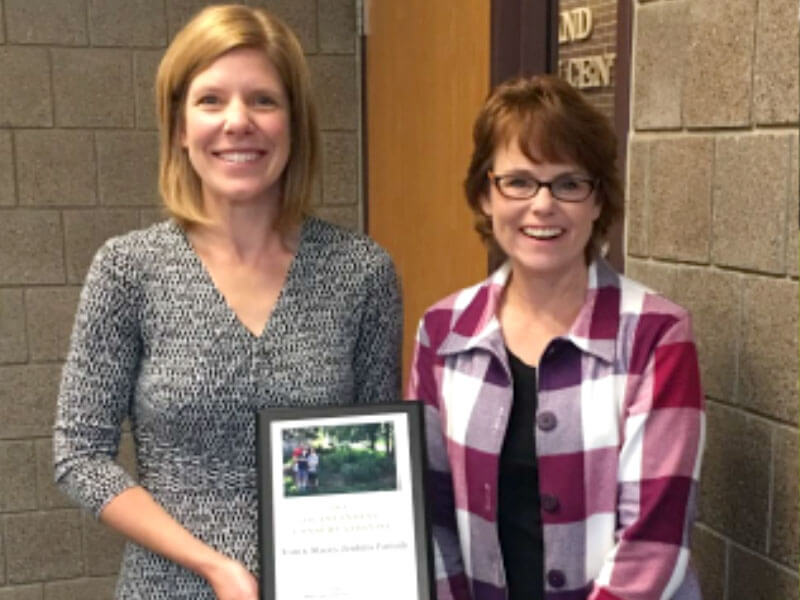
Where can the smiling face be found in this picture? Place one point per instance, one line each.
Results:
(236, 128)
(541, 236)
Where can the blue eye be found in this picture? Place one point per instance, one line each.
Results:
(208, 99)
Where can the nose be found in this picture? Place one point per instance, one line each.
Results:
(543, 200)
(237, 117)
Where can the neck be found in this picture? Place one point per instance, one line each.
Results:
(243, 231)
(554, 298)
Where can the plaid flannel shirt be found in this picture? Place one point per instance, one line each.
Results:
(620, 428)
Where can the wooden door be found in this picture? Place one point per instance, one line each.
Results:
(427, 74)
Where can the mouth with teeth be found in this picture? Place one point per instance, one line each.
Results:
(542, 233)
(239, 156)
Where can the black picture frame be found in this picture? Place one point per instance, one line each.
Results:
(314, 512)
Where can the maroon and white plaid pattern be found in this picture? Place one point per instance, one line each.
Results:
(620, 428)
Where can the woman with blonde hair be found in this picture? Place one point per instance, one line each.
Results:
(564, 413)
(240, 301)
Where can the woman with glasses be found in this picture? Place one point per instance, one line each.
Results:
(564, 411)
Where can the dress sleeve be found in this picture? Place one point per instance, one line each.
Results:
(97, 383)
(376, 360)
(423, 385)
(659, 469)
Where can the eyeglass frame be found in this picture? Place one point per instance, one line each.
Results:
(496, 179)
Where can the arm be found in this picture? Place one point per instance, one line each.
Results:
(96, 389)
(376, 360)
(137, 516)
(659, 469)
(451, 579)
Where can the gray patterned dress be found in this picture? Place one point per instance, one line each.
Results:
(154, 341)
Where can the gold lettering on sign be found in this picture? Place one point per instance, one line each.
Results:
(588, 71)
(574, 25)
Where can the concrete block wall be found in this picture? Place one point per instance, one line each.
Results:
(78, 160)
(712, 221)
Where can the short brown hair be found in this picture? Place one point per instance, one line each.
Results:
(547, 114)
(211, 33)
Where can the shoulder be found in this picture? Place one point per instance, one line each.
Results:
(139, 247)
(465, 311)
(656, 316)
(345, 251)
(339, 240)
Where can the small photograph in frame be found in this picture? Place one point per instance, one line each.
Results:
(339, 459)
(342, 510)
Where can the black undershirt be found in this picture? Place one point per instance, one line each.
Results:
(518, 518)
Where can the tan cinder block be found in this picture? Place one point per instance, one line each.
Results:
(751, 186)
(127, 165)
(339, 168)
(7, 187)
(22, 592)
(300, 15)
(655, 275)
(776, 98)
(31, 247)
(659, 59)
(149, 216)
(28, 400)
(180, 11)
(25, 93)
(103, 547)
(126, 456)
(17, 466)
(714, 299)
(679, 198)
(717, 90)
(93, 87)
(56, 167)
(44, 545)
(768, 362)
(784, 535)
(49, 495)
(735, 466)
(2, 565)
(60, 22)
(337, 26)
(127, 23)
(344, 216)
(101, 588)
(792, 216)
(86, 230)
(50, 312)
(145, 65)
(751, 577)
(636, 205)
(708, 559)
(333, 78)
(13, 343)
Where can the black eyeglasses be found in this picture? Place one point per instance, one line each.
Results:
(521, 186)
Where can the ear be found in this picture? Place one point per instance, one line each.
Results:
(597, 208)
(485, 204)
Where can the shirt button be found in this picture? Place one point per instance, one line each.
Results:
(546, 420)
(550, 503)
(556, 578)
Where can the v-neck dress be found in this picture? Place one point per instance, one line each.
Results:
(154, 341)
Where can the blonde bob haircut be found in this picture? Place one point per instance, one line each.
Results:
(211, 33)
(550, 121)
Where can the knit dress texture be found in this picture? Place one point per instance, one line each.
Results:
(155, 342)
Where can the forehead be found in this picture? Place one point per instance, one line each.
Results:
(513, 154)
(239, 66)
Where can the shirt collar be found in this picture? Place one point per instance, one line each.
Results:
(594, 330)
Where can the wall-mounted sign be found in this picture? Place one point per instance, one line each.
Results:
(575, 25)
(592, 71)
